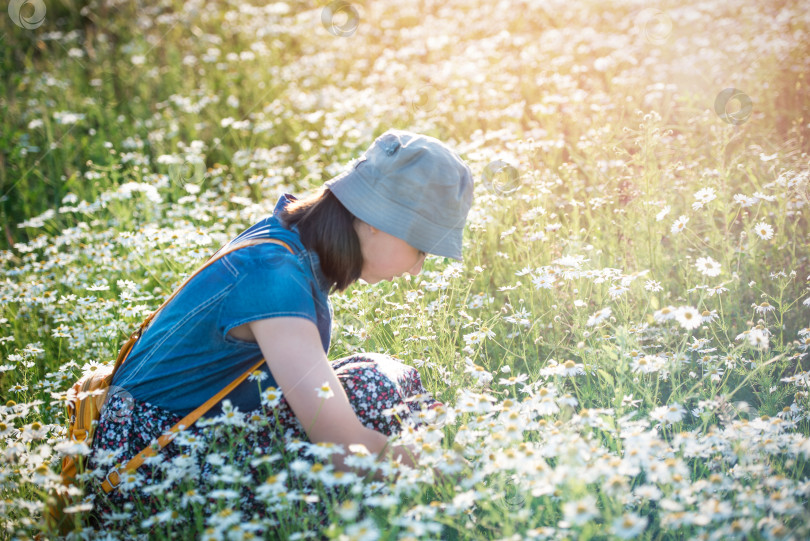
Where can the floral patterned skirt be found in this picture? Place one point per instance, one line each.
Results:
(227, 461)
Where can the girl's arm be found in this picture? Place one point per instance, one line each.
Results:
(292, 349)
(405, 454)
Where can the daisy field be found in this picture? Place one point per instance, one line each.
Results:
(623, 352)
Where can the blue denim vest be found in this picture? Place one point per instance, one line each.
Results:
(186, 356)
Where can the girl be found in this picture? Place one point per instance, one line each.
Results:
(408, 195)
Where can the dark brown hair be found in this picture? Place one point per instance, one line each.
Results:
(327, 228)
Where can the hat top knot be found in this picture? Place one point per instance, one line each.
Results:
(390, 143)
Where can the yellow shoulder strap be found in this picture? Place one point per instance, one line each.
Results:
(113, 478)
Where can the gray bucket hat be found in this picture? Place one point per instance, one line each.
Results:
(413, 187)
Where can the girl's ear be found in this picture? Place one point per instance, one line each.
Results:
(360, 224)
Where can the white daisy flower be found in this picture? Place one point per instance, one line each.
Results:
(647, 364)
(546, 404)
(271, 397)
(544, 281)
(708, 266)
(763, 308)
(616, 290)
(362, 531)
(763, 231)
(679, 225)
(712, 291)
(760, 195)
(581, 511)
(653, 285)
(629, 526)
(745, 201)
(258, 375)
(758, 338)
(665, 314)
(709, 316)
(599, 316)
(348, 510)
(648, 492)
(703, 197)
(672, 413)
(688, 317)
(570, 368)
(325, 390)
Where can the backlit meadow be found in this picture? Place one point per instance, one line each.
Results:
(623, 352)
